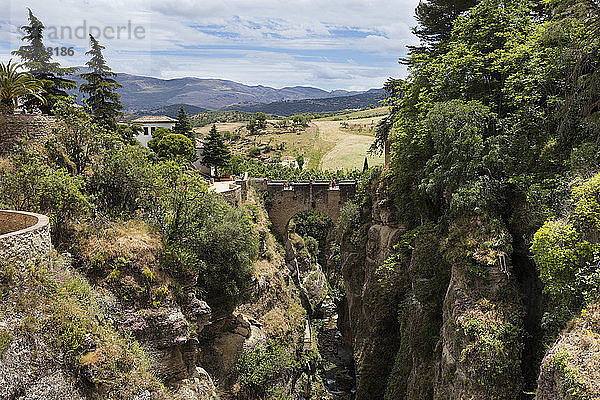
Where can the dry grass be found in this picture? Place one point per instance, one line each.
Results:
(5, 164)
(132, 240)
(125, 256)
(351, 145)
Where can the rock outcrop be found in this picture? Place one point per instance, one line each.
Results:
(370, 323)
(571, 368)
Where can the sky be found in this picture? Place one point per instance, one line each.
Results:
(330, 44)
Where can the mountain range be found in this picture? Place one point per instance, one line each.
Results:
(317, 105)
(141, 94)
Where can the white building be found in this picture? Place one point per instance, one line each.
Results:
(149, 124)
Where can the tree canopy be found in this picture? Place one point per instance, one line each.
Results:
(215, 152)
(38, 61)
(183, 126)
(101, 87)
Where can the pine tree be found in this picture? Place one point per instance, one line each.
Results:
(101, 86)
(435, 18)
(38, 60)
(365, 165)
(215, 152)
(183, 125)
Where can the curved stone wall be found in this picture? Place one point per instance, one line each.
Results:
(24, 237)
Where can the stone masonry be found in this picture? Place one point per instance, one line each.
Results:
(32, 129)
(24, 237)
(286, 199)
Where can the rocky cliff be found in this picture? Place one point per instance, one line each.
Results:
(432, 312)
(571, 368)
(141, 332)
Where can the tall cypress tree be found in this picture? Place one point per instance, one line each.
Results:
(215, 152)
(183, 125)
(38, 60)
(101, 86)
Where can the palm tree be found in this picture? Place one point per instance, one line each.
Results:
(15, 84)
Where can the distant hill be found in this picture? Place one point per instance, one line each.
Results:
(173, 110)
(316, 105)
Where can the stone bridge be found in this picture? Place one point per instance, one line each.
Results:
(286, 199)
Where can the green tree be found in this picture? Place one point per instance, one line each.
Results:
(500, 81)
(300, 120)
(127, 132)
(101, 87)
(300, 161)
(436, 18)
(157, 136)
(38, 60)
(261, 121)
(78, 140)
(205, 237)
(252, 126)
(123, 180)
(183, 126)
(215, 152)
(16, 85)
(393, 88)
(175, 147)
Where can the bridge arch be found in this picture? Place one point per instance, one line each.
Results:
(286, 199)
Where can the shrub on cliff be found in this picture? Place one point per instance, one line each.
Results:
(567, 251)
(174, 147)
(124, 180)
(263, 371)
(206, 237)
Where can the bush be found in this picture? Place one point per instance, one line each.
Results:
(349, 220)
(123, 179)
(204, 236)
(174, 147)
(263, 370)
(567, 252)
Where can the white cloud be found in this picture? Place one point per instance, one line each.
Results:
(305, 42)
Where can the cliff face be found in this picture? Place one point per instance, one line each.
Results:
(370, 323)
(571, 368)
(141, 331)
(432, 313)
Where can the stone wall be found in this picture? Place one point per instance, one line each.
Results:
(24, 237)
(233, 195)
(31, 129)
